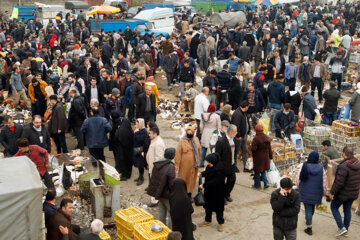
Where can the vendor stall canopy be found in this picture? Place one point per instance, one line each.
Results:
(267, 3)
(20, 199)
(104, 10)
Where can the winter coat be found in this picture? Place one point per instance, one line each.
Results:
(170, 63)
(34, 137)
(208, 124)
(137, 90)
(283, 121)
(162, 177)
(301, 72)
(276, 92)
(59, 218)
(141, 105)
(214, 187)
(185, 162)
(107, 86)
(261, 152)
(166, 46)
(309, 107)
(207, 82)
(259, 102)
(331, 97)
(304, 47)
(186, 75)
(140, 138)
(322, 71)
(257, 52)
(78, 112)
(95, 129)
(31, 90)
(8, 138)
(39, 156)
(224, 79)
(294, 98)
(113, 105)
(88, 94)
(346, 185)
(244, 53)
(355, 106)
(240, 120)
(155, 151)
(332, 153)
(58, 119)
(286, 209)
(282, 63)
(312, 190)
(128, 99)
(224, 150)
(203, 51)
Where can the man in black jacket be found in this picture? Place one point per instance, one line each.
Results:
(225, 147)
(9, 134)
(108, 84)
(145, 107)
(37, 134)
(77, 116)
(331, 97)
(186, 76)
(285, 203)
(212, 83)
(93, 91)
(224, 78)
(162, 177)
(241, 121)
(345, 189)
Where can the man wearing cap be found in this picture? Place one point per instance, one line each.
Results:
(317, 76)
(276, 93)
(113, 103)
(337, 67)
(170, 64)
(203, 53)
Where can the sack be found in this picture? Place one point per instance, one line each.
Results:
(273, 174)
(138, 150)
(265, 122)
(249, 164)
(199, 199)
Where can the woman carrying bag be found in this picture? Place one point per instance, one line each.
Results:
(311, 182)
(140, 137)
(214, 187)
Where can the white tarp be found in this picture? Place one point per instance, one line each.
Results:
(230, 18)
(288, 1)
(20, 199)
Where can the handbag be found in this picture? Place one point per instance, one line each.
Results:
(199, 199)
(138, 150)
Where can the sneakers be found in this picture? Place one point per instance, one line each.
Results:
(357, 211)
(308, 230)
(221, 227)
(229, 199)
(341, 232)
(175, 85)
(347, 234)
(257, 188)
(204, 224)
(266, 186)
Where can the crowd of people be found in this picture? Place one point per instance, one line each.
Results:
(101, 87)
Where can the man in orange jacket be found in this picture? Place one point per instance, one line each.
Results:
(37, 95)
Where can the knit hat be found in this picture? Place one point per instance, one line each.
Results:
(169, 153)
(115, 91)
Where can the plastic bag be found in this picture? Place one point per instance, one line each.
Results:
(65, 177)
(265, 122)
(273, 174)
(249, 164)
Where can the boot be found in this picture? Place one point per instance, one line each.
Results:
(221, 227)
(140, 181)
(137, 179)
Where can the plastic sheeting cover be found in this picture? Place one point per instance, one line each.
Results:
(231, 18)
(20, 199)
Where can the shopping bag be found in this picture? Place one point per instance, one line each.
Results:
(199, 199)
(273, 174)
(249, 164)
(65, 177)
(265, 122)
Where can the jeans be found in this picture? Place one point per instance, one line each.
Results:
(293, 33)
(203, 62)
(219, 216)
(317, 83)
(59, 139)
(279, 234)
(203, 155)
(258, 176)
(170, 78)
(329, 117)
(309, 212)
(98, 154)
(79, 137)
(241, 144)
(164, 210)
(148, 117)
(337, 77)
(182, 89)
(335, 205)
(290, 82)
(275, 106)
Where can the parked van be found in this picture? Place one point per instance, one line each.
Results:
(161, 19)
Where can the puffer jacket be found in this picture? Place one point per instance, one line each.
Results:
(311, 191)
(346, 185)
(286, 209)
(162, 176)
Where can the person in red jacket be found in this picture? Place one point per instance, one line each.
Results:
(39, 156)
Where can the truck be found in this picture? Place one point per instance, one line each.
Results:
(161, 19)
(24, 11)
(123, 5)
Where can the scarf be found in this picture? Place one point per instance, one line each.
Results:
(195, 150)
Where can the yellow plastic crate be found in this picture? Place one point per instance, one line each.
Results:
(340, 127)
(104, 235)
(143, 231)
(126, 218)
(123, 236)
(121, 229)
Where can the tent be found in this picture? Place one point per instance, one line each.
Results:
(20, 199)
(267, 3)
(230, 18)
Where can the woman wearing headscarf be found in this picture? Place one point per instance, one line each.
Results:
(311, 182)
(214, 193)
(194, 43)
(113, 142)
(140, 137)
(262, 153)
(187, 158)
(181, 209)
(124, 149)
(225, 113)
(210, 122)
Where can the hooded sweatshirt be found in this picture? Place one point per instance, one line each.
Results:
(276, 92)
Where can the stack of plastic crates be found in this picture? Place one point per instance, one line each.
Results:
(344, 135)
(142, 231)
(314, 136)
(284, 156)
(125, 219)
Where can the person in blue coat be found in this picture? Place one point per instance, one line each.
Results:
(129, 103)
(95, 129)
(311, 182)
(309, 104)
(291, 72)
(276, 93)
